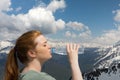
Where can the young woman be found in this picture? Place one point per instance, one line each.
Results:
(32, 50)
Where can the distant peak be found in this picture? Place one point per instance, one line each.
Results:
(117, 44)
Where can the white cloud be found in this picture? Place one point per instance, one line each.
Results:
(118, 4)
(18, 9)
(40, 3)
(60, 24)
(42, 18)
(68, 34)
(76, 25)
(108, 37)
(85, 35)
(117, 15)
(56, 4)
(74, 35)
(77, 30)
(37, 18)
(5, 5)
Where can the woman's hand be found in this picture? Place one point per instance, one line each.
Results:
(72, 51)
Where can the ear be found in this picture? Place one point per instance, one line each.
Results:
(31, 54)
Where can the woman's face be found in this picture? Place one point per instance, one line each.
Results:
(42, 49)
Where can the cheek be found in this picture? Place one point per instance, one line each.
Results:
(43, 54)
(40, 50)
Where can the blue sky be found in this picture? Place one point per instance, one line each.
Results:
(90, 22)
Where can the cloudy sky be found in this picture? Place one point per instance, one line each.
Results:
(90, 22)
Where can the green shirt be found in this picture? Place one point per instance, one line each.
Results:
(33, 75)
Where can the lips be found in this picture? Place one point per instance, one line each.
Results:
(50, 51)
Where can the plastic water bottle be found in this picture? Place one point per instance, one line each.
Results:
(53, 50)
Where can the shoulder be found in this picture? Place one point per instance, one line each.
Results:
(33, 75)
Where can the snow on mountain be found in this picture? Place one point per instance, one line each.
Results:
(117, 44)
(108, 56)
(59, 47)
(112, 76)
(5, 46)
(110, 73)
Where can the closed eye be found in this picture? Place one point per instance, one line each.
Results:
(44, 45)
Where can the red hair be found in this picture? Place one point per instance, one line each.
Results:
(24, 43)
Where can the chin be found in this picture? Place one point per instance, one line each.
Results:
(50, 56)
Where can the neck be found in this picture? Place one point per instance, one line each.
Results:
(33, 65)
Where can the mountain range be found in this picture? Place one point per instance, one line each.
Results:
(91, 60)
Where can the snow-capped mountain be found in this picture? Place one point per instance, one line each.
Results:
(108, 56)
(111, 73)
(107, 66)
(102, 58)
(57, 47)
(5, 46)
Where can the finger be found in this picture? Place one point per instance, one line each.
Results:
(77, 47)
(67, 47)
(74, 46)
(70, 46)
